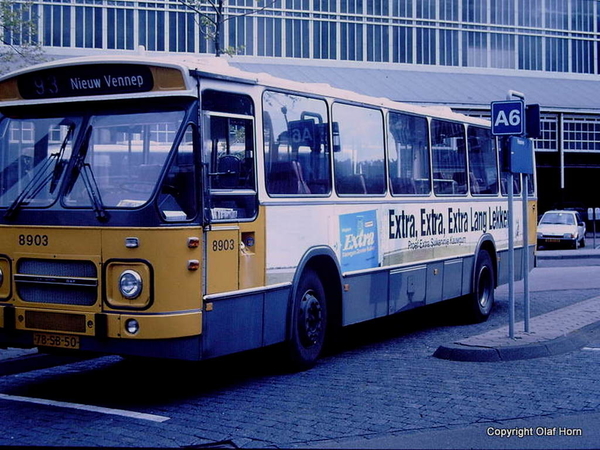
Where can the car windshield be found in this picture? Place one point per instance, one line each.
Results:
(557, 218)
(119, 159)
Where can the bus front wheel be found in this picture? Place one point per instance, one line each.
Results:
(309, 322)
(481, 300)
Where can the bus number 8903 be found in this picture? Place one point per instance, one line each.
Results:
(220, 245)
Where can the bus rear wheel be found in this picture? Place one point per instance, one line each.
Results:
(481, 300)
(309, 322)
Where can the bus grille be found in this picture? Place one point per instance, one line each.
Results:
(62, 282)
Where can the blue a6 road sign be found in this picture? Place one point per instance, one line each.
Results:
(508, 118)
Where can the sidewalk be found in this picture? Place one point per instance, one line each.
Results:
(559, 331)
(556, 332)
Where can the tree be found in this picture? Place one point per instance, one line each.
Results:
(20, 45)
(212, 15)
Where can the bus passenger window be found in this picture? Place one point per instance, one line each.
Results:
(449, 157)
(359, 163)
(177, 199)
(483, 166)
(296, 145)
(409, 154)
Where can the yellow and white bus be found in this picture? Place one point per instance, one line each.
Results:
(182, 208)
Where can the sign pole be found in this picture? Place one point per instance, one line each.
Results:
(594, 222)
(509, 119)
(511, 226)
(511, 258)
(526, 307)
(592, 214)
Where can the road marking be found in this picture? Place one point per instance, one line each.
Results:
(592, 349)
(98, 409)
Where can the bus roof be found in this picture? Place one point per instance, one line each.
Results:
(172, 75)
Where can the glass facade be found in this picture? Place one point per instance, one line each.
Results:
(535, 35)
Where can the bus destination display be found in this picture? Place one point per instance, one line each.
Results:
(78, 81)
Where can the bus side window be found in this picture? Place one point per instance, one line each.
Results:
(296, 145)
(449, 157)
(177, 199)
(359, 164)
(408, 154)
(483, 166)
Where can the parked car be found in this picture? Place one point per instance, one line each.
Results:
(574, 206)
(560, 227)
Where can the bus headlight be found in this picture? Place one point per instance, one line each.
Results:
(130, 284)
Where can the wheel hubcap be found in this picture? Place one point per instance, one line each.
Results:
(311, 319)
(484, 287)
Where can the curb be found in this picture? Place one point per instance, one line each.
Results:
(567, 256)
(563, 344)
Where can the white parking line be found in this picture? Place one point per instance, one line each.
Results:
(98, 409)
(592, 349)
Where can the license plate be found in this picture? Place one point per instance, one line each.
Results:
(55, 340)
(552, 240)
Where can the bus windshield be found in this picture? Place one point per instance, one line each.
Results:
(33, 153)
(118, 159)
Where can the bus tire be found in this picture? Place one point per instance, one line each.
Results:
(481, 300)
(308, 322)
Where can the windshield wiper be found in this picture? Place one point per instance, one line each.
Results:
(91, 187)
(43, 176)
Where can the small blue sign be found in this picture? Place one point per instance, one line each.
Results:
(521, 155)
(508, 118)
(359, 241)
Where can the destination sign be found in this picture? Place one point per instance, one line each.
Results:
(78, 81)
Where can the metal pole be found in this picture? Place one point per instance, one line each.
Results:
(594, 225)
(526, 308)
(511, 258)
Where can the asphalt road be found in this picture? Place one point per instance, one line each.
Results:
(382, 389)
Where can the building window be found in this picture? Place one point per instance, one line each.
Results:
(120, 28)
(269, 31)
(57, 25)
(557, 55)
(89, 32)
(502, 51)
(581, 133)
(402, 44)
(182, 32)
(548, 141)
(152, 29)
